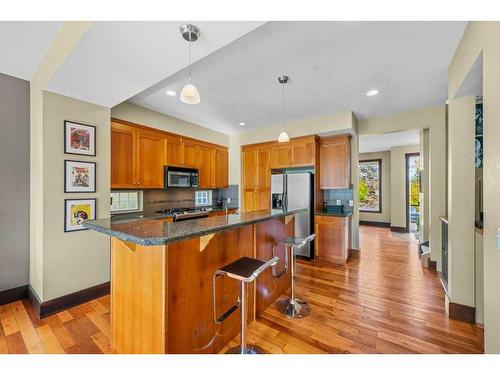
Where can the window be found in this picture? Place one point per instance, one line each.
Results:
(203, 198)
(370, 185)
(126, 201)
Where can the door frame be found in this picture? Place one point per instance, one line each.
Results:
(407, 184)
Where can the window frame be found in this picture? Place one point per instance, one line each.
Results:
(380, 176)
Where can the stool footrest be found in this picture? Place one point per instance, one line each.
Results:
(229, 311)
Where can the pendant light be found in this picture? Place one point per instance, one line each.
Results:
(283, 137)
(189, 93)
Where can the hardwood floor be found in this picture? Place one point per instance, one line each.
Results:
(382, 302)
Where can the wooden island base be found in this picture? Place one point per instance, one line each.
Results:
(161, 296)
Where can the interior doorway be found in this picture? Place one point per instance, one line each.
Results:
(413, 189)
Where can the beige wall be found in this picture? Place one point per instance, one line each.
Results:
(461, 200)
(483, 37)
(427, 118)
(143, 116)
(398, 184)
(385, 215)
(424, 197)
(76, 260)
(479, 277)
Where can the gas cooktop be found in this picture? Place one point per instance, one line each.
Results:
(185, 213)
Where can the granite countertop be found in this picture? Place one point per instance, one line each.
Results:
(338, 214)
(152, 232)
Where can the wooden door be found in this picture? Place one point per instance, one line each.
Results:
(206, 167)
(302, 152)
(249, 200)
(123, 148)
(151, 159)
(280, 156)
(335, 164)
(263, 199)
(264, 170)
(331, 239)
(190, 154)
(250, 161)
(174, 151)
(221, 169)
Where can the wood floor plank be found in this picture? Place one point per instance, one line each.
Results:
(49, 340)
(80, 333)
(28, 332)
(9, 323)
(63, 336)
(64, 316)
(15, 343)
(100, 323)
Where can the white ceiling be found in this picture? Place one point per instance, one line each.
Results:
(23, 46)
(331, 65)
(116, 60)
(384, 142)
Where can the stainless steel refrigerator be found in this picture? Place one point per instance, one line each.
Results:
(291, 191)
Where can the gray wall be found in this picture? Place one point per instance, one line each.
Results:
(14, 181)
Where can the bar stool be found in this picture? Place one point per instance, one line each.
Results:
(291, 307)
(245, 270)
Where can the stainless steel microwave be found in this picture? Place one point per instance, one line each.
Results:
(181, 177)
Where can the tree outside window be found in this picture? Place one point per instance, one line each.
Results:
(370, 184)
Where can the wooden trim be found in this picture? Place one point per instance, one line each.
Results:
(353, 253)
(375, 223)
(13, 294)
(312, 137)
(399, 229)
(335, 138)
(380, 177)
(149, 128)
(56, 305)
(463, 313)
(432, 265)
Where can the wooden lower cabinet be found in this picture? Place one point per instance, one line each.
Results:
(256, 199)
(230, 211)
(332, 239)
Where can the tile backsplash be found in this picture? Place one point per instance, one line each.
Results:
(344, 195)
(158, 199)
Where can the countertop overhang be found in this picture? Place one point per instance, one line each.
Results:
(154, 232)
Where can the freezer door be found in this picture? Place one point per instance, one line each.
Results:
(299, 196)
(277, 183)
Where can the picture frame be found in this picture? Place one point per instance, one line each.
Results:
(79, 139)
(80, 176)
(78, 210)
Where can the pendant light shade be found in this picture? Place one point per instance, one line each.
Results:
(283, 137)
(189, 93)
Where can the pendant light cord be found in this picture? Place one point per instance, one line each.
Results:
(283, 109)
(189, 66)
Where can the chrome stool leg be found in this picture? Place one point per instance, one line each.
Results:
(243, 348)
(292, 307)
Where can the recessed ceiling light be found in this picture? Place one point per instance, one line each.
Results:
(241, 124)
(372, 93)
(171, 93)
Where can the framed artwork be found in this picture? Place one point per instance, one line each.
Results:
(79, 139)
(79, 176)
(76, 211)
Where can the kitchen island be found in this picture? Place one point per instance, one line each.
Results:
(161, 278)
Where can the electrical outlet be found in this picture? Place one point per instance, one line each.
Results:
(228, 200)
(351, 203)
(498, 238)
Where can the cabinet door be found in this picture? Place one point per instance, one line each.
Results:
(190, 151)
(221, 169)
(331, 239)
(174, 151)
(264, 170)
(302, 153)
(280, 156)
(122, 156)
(151, 155)
(335, 165)
(250, 169)
(263, 199)
(249, 200)
(206, 167)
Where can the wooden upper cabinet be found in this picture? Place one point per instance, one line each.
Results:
(221, 168)
(122, 156)
(264, 169)
(280, 156)
(174, 151)
(206, 168)
(250, 161)
(151, 159)
(302, 152)
(190, 154)
(335, 157)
